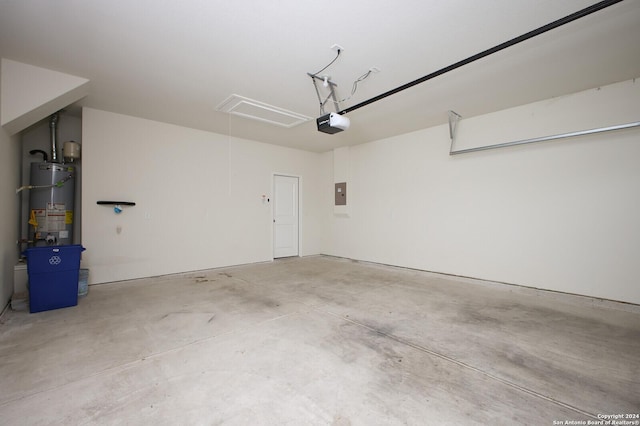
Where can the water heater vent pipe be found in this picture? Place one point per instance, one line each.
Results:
(53, 129)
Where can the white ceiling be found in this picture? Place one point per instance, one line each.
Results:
(176, 61)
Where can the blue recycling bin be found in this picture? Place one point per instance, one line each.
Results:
(53, 276)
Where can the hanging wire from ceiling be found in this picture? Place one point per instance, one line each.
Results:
(355, 84)
(328, 65)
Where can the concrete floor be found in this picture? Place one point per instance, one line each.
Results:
(320, 341)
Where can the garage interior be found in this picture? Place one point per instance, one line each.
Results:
(462, 251)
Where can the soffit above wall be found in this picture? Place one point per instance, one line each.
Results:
(28, 93)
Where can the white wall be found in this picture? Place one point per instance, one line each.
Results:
(9, 207)
(558, 215)
(198, 198)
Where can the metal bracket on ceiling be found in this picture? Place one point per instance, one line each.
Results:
(454, 118)
(332, 93)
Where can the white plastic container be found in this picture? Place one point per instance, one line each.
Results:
(83, 282)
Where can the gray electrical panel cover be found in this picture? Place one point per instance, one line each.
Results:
(341, 194)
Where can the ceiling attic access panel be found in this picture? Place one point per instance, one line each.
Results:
(256, 110)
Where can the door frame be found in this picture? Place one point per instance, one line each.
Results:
(273, 206)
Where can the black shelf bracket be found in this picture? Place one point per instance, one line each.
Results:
(116, 203)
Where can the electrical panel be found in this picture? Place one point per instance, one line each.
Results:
(341, 194)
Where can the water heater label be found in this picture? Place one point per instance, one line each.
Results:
(56, 215)
(40, 216)
(68, 217)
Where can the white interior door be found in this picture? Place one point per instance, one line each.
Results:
(285, 216)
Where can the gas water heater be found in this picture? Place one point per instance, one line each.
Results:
(51, 197)
(51, 203)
